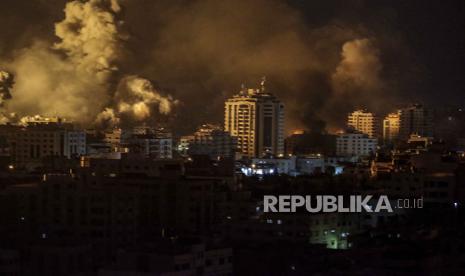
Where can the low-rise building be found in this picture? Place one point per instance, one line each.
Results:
(146, 141)
(292, 165)
(311, 164)
(30, 144)
(355, 144)
(209, 140)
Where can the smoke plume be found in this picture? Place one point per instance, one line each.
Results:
(206, 49)
(108, 118)
(357, 80)
(359, 68)
(70, 77)
(321, 65)
(76, 76)
(92, 36)
(136, 99)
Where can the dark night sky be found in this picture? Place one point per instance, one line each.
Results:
(433, 30)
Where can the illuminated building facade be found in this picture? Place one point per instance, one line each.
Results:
(391, 126)
(256, 118)
(113, 137)
(364, 122)
(37, 119)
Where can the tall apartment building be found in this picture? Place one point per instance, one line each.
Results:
(391, 126)
(364, 122)
(416, 119)
(256, 118)
(355, 144)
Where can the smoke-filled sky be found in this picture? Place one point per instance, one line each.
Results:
(109, 62)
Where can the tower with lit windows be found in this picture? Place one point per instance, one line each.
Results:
(391, 127)
(364, 121)
(256, 118)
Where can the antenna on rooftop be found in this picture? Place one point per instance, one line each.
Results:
(262, 84)
(243, 89)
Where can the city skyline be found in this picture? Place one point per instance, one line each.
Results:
(324, 50)
(352, 120)
(232, 137)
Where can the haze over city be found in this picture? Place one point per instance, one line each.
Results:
(245, 137)
(101, 62)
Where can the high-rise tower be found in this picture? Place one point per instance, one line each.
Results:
(256, 118)
(364, 122)
(416, 119)
(391, 127)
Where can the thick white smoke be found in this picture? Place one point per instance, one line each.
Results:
(92, 36)
(74, 77)
(357, 81)
(360, 67)
(136, 99)
(108, 118)
(47, 84)
(74, 85)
